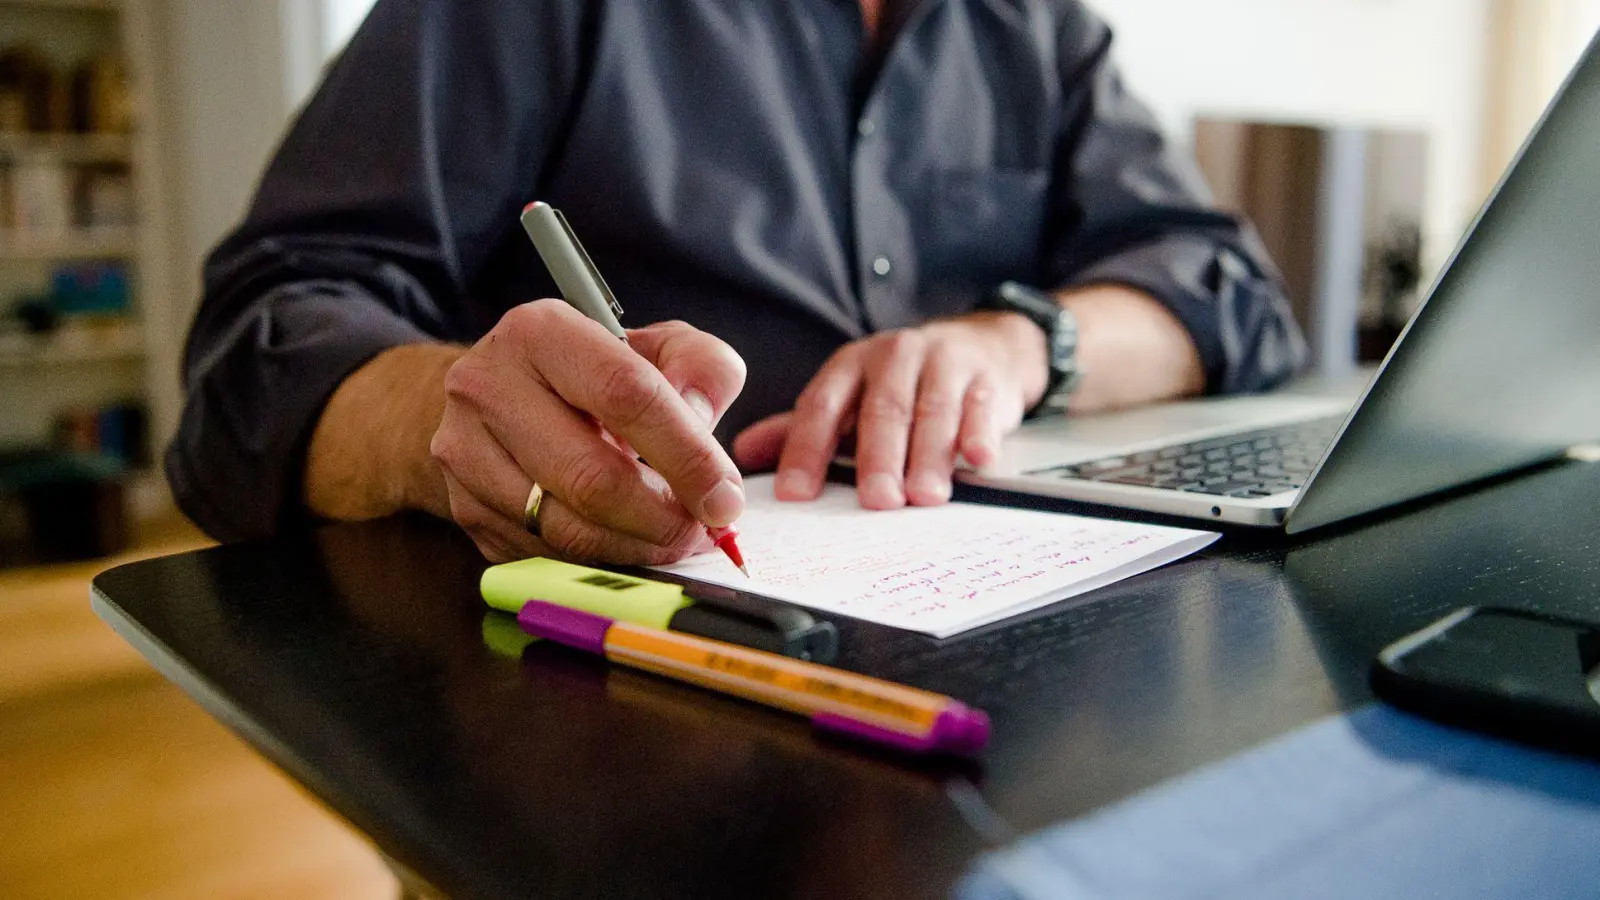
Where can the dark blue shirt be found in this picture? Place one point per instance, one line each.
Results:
(748, 166)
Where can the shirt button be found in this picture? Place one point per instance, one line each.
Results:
(880, 266)
(866, 127)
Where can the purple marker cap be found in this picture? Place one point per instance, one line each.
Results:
(959, 729)
(564, 625)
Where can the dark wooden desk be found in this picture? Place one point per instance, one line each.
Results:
(354, 658)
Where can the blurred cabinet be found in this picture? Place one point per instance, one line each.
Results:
(1340, 210)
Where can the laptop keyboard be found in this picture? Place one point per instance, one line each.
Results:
(1251, 464)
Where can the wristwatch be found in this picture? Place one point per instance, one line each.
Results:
(1061, 340)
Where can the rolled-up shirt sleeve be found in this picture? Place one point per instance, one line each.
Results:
(369, 225)
(1129, 210)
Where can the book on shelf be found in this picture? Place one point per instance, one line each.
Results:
(53, 185)
(118, 431)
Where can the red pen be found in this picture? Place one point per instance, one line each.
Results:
(582, 287)
(725, 540)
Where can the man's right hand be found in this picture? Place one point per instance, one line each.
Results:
(552, 397)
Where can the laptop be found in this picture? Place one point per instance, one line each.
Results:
(1499, 369)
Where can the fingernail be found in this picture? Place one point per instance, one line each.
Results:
(930, 488)
(795, 484)
(723, 505)
(881, 491)
(701, 404)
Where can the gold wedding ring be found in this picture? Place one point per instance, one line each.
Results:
(530, 510)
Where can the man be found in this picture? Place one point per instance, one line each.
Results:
(821, 195)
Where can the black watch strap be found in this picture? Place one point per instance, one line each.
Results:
(1061, 340)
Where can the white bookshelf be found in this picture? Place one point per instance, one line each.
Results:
(91, 5)
(72, 347)
(66, 148)
(91, 362)
(70, 245)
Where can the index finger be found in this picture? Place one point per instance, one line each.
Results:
(634, 401)
(820, 414)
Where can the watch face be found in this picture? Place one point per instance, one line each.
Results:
(1063, 361)
(1063, 344)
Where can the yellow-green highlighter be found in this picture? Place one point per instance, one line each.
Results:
(717, 613)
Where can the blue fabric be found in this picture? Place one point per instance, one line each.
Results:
(1374, 804)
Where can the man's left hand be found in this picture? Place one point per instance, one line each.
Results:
(917, 400)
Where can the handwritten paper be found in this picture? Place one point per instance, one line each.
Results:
(939, 570)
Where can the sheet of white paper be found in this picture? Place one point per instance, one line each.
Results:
(939, 570)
